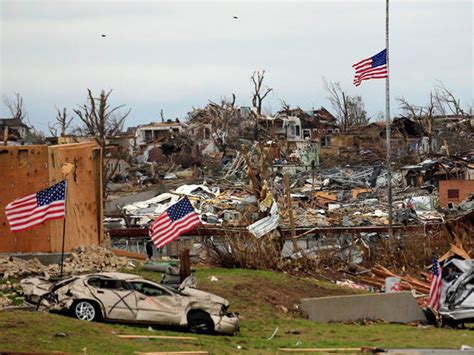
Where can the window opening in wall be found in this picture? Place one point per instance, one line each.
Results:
(453, 193)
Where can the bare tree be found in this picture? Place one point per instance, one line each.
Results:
(260, 92)
(62, 123)
(16, 107)
(350, 111)
(417, 112)
(285, 107)
(223, 118)
(101, 121)
(338, 99)
(409, 109)
(357, 113)
(446, 102)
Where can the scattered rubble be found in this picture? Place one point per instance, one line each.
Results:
(82, 260)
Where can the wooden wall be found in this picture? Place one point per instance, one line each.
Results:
(28, 169)
(23, 170)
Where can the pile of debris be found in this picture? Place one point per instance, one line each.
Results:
(91, 259)
(416, 281)
(341, 212)
(378, 274)
(82, 260)
(213, 206)
(345, 197)
(16, 267)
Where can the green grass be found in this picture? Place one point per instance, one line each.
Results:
(35, 331)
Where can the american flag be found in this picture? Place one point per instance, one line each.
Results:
(436, 283)
(31, 210)
(173, 222)
(374, 67)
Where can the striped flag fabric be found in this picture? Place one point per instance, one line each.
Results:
(31, 210)
(374, 67)
(174, 221)
(436, 283)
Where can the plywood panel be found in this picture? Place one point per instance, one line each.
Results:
(23, 170)
(84, 198)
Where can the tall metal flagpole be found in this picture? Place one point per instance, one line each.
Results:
(387, 124)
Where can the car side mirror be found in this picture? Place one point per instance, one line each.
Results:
(141, 297)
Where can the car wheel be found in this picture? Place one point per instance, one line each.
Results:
(200, 322)
(86, 310)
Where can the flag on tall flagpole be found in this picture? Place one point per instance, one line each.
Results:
(31, 210)
(374, 67)
(174, 221)
(436, 283)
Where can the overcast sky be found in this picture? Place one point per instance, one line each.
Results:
(178, 55)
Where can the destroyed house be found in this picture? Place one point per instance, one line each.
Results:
(286, 127)
(157, 132)
(124, 141)
(441, 169)
(408, 139)
(312, 124)
(16, 128)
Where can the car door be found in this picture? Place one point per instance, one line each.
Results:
(156, 304)
(117, 297)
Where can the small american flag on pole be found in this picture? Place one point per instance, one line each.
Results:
(31, 210)
(174, 221)
(374, 67)
(436, 283)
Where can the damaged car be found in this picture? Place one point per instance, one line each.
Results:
(121, 297)
(457, 296)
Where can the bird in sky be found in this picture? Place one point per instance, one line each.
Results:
(103, 35)
(235, 17)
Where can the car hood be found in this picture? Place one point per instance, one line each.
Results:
(203, 295)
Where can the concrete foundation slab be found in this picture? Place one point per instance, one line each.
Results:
(397, 307)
